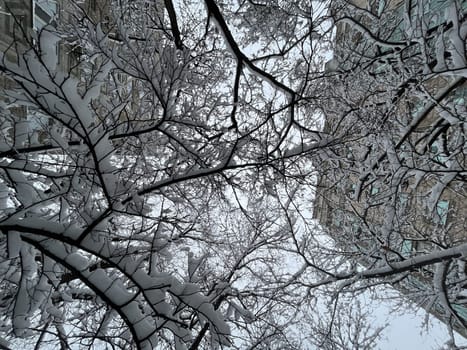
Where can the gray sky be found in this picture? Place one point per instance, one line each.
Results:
(406, 329)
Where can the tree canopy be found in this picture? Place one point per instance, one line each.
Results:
(159, 163)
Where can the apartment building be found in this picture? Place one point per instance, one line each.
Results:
(16, 20)
(21, 21)
(394, 188)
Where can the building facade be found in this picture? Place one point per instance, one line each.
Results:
(394, 186)
(21, 24)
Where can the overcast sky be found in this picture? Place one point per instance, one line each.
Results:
(406, 330)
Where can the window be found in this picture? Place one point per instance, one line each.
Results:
(93, 5)
(403, 199)
(442, 207)
(406, 248)
(460, 95)
(463, 5)
(44, 13)
(438, 154)
(36, 121)
(461, 310)
(350, 153)
(74, 56)
(406, 156)
(337, 217)
(5, 22)
(417, 107)
(397, 34)
(382, 67)
(356, 228)
(434, 11)
(374, 190)
(351, 189)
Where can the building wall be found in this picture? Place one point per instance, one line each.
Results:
(19, 20)
(381, 195)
